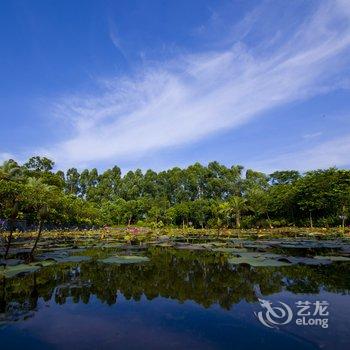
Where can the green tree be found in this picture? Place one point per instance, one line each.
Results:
(41, 196)
(237, 206)
(39, 164)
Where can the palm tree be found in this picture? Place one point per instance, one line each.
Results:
(238, 205)
(234, 208)
(225, 210)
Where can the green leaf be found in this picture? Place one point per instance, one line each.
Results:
(332, 257)
(124, 259)
(11, 271)
(257, 260)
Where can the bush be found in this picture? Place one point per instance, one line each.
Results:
(331, 221)
(248, 221)
(279, 223)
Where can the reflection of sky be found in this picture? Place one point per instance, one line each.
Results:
(167, 324)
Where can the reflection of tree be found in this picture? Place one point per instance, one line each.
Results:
(203, 277)
(22, 302)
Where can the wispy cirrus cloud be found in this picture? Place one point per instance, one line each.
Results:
(334, 152)
(166, 104)
(312, 135)
(114, 36)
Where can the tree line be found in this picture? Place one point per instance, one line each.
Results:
(199, 196)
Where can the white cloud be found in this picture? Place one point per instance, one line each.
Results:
(312, 135)
(334, 152)
(114, 36)
(183, 100)
(5, 156)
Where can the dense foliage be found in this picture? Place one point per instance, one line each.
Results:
(198, 196)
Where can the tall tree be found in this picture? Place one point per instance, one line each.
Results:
(39, 164)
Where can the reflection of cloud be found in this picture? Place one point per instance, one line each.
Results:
(185, 99)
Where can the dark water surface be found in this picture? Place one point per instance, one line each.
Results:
(177, 300)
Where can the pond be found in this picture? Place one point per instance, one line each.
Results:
(239, 295)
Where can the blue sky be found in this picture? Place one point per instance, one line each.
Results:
(157, 84)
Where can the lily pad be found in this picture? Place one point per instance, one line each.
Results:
(307, 244)
(112, 245)
(55, 255)
(185, 246)
(75, 258)
(208, 245)
(299, 260)
(332, 257)
(230, 250)
(257, 260)
(45, 263)
(11, 271)
(165, 244)
(268, 259)
(124, 259)
(62, 256)
(10, 262)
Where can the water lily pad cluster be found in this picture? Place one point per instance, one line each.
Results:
(21, 269)
(124, 259)
(263, 252)
(276, 252)
(63, 257)
(14, 267)
(294, 244)
(256, 260)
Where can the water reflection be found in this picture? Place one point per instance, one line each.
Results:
(203, 277)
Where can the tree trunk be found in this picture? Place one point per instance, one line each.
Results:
(343, 219)
(310, 217)
(268, 219)
(219, 225)
(31, 256)
(238, 219)
(8, 244)
(9, 239)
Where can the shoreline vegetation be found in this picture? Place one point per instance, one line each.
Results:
(202, 201)
(148, 234)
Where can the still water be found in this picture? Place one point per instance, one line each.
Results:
(177, 300)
